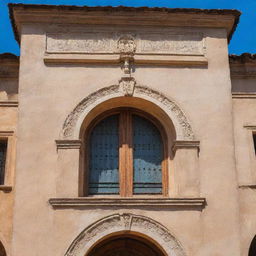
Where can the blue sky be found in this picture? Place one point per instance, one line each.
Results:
(244, 39)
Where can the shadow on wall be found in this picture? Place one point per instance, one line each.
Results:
(252, 250)
(2, 250)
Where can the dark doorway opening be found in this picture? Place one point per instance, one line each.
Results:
(252, 250)
(125, 246)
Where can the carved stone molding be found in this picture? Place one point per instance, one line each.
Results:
(72, 124)
(68, 144)
(186, 144)
(126, 223)
(243, 95)
(84, 202)
(9, 103)
(182, 121)
(127, 85)
(250, 126)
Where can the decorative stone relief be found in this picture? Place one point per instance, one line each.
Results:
(126, 47)
(127, 85)
(69, 124)
(189, 44)
(182, 126)
(125, 222)
(81, 43)
(153, 43)
(172, 106)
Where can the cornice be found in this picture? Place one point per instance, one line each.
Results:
(126, 202)
(20, 13)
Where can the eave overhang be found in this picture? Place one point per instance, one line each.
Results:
(142, 16)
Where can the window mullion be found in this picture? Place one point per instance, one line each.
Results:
(129, 156)
(125, 154)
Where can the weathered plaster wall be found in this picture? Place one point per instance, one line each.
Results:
(48, 93)
(8, 122)
(244, 125)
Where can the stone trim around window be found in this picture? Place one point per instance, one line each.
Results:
(9, 103)
(68, 144)
(9, 163)
(185, 144)
(5, 188)
(251, 182)
(126, 202)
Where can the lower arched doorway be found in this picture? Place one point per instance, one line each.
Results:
(125, 246)
(2, 250)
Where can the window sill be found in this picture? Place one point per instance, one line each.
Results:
(5, 188)
(126, 202)
(252, 186)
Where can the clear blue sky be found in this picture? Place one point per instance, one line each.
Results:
(244, 39)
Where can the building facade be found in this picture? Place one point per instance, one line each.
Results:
(126, 131)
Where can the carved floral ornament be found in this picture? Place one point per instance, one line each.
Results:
(126, 87)
(125, 223)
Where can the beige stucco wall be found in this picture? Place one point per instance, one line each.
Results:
(8, 122)
(48, 93)
(244, 125)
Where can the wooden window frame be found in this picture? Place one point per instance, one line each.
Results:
(125, 152)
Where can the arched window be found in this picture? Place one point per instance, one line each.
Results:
(252, 250)
(125, 155)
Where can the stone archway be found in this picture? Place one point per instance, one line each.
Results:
(126, 224)
(73, 123)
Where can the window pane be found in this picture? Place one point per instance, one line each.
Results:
(147, 157)
(3, 147)
(103, 166)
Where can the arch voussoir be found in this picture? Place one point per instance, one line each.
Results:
(125, 223)
(72, 124)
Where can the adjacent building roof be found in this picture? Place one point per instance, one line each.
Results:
(9, 65)
(243, 66)
(243, 58)
(140, 15)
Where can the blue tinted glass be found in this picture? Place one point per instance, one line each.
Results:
(103, 166)
(147, 157)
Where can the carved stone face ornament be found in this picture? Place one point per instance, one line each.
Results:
(126, 47)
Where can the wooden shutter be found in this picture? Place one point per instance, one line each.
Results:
(103, 158)
(147, 157)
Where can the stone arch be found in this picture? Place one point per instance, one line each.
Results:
(73, 123)
(125, 223)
